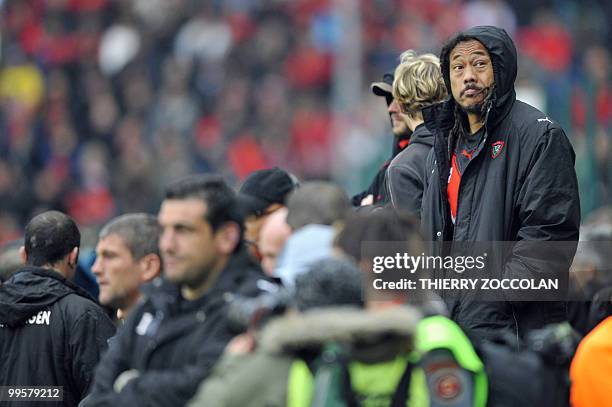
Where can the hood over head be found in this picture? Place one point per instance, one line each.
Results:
(33, 289)
(503, 55)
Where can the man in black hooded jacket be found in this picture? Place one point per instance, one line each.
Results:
(500, 170)
(52, 332)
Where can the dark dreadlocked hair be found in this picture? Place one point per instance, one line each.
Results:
(460, 123)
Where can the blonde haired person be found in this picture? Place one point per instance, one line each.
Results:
(418, 83)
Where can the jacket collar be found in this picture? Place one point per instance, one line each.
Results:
(422, 135)
(32, 289)
(166, 296)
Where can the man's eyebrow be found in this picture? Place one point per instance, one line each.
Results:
(182, 225)
(478, 52)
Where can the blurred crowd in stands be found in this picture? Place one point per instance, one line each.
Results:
(103, 102)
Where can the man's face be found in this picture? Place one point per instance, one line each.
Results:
(274, 234)
(118, 274)
(252, 229)
(399, 120)
(471, 75)
(187, 242)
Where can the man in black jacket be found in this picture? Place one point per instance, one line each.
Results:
(170, 342)
(418, 83)
(52, 332)
(376, 193)
(500, 170)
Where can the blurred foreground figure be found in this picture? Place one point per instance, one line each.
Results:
(171, 341)
(274, 233)
(316, 211)
(591, 371)
(331, 351)
(263, 193)
(52, 333)
(329, 289)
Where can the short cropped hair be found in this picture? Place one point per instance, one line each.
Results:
(418, 82)
(221, 201)
(139, 231)
(49, 237)
(317, 203)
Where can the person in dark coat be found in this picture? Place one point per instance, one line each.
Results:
(376, 193)
(418, 83)
(169, 343)
(52, 333)
(500, 170)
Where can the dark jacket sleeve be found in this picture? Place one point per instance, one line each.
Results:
(113, 363)
(376, 188)
(156, 388)
(405, 179)
(88, 339)
(548, 208)
(168, 387)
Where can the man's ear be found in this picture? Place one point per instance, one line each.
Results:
(227, 237)
(73, 257)
(150, 267)
(23, 256)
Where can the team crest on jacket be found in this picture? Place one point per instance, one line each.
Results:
(497, 148)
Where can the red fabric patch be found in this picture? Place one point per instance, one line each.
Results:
(454, 179)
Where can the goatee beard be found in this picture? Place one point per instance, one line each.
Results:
(475, 109)
(478, 109)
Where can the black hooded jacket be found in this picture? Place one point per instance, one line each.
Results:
(406, 173)
(52, 333)
(520, 186)
(170, 343)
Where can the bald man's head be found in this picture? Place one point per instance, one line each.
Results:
(274, 232)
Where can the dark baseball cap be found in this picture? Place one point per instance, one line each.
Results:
(384, 88)
(265, 187)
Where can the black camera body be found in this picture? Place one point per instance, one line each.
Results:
(246, 313)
